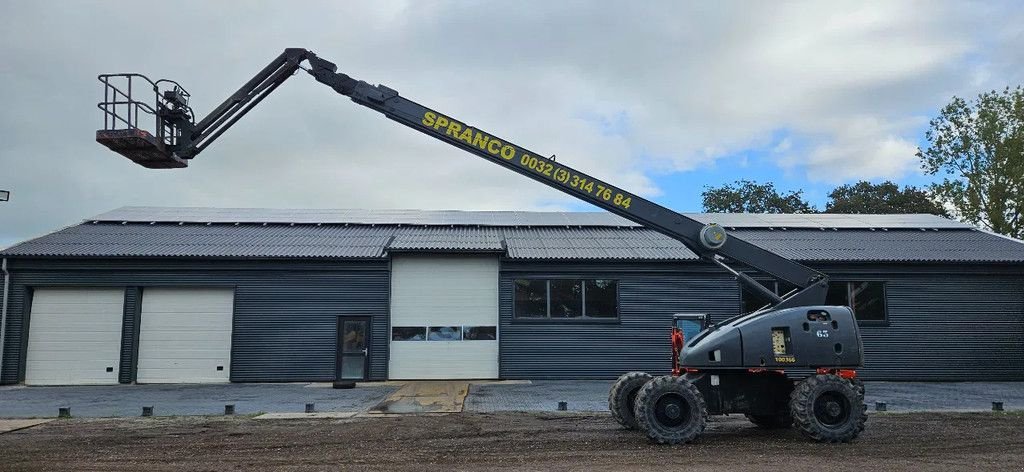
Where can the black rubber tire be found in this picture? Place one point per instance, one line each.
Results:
(858, 384)
(622, 396)
(828, 408)
(670, 410)
(780, 420)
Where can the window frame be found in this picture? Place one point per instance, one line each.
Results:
(391, 338)
(583, 319)
(849, 298)
(849, 295)
(430, 329)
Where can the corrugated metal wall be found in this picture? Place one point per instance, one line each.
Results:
(285, 312)
(639, 341)
(966, 326)
(945, 322)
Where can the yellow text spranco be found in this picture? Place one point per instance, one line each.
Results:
(453, 129)
(469, 135)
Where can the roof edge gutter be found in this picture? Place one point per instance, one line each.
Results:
(3, 311)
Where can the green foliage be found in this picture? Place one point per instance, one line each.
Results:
(883, 198)
(978, 149)
(745, 196)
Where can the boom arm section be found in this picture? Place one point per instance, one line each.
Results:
(710, 242)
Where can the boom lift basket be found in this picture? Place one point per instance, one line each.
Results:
(153, 143)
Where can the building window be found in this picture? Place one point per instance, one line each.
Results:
(408, 333)
(445, 333)
(867, 299)
(752, 301)
(479, 333)
(531, 298)
(566, 298)
(602, 298)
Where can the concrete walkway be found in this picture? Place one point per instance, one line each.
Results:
(166, 400)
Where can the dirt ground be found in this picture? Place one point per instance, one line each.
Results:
(949, 441)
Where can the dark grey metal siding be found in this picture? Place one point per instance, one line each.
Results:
(129, 334)
(944, 322)
(285, 312)
(946, 326)
(648, 297)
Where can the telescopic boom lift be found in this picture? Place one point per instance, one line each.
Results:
(736, 366)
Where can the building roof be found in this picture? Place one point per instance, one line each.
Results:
(361, 234)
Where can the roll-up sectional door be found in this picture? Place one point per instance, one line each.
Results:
(444, 317)
(74, 336)
(185, 335)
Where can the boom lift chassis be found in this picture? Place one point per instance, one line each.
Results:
(790, 363)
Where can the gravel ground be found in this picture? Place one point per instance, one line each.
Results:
(520, 441)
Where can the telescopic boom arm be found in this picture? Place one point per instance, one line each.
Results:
(710, 242)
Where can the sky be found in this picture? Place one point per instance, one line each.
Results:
(659, 98)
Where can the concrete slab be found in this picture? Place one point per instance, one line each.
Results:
(128, 400)
(301, 416)
(7, 426)
(426, 397)
(944, 396)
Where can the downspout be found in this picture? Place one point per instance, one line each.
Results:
(3, 312)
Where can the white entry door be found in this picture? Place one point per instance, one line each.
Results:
(185, 335)
(444, 317)
(74, 336)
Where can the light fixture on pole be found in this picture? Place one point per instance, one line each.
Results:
(5, 195)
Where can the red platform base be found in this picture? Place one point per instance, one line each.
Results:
(141, 147)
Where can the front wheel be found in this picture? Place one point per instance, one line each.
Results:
(828, 408)
(670, 410)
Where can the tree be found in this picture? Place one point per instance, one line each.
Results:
(886, 197)
(744, 196)
(977, 148)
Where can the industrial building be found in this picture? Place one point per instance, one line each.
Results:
(196, 295)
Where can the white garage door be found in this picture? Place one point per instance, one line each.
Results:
(444, 317)
(185, 335)
(74, 336)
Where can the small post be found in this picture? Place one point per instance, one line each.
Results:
(64, 412)
(229, 409)
(147, 411)
(997, 406)
(879, 406)
(563, 406)
(310, 407)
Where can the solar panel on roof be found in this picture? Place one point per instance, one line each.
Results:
(510, 218)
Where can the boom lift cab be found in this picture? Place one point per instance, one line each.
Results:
(791, 363)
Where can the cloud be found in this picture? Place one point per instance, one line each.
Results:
(623, 93)
(861, 147)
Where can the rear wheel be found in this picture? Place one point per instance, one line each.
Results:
(828, 408)
(622, 397)
(670, 410)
